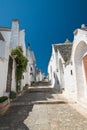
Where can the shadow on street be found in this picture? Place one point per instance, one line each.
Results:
(14, 118)
(36, 93)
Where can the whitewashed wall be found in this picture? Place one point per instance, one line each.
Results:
(39, 76)
(52, 70)
(22, 44)
(32, 77)
(79, 49)
(14, 37)
(13, 85)
(14, 34)
(65, 76)
(7, 37)
(69, 82)
(3, 76)
(28, 74)
(60, 65)
(22, 41)
(4, 54)
(2, 49)
(31, 64)
(71, 76)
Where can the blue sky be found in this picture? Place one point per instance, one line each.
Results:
(45, 22)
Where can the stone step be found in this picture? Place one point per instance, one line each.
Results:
(42, 90)
(41, 102)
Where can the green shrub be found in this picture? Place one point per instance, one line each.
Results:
(21, 64)
(12, 95)
(3, 98)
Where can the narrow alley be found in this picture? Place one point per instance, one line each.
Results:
(41, 108)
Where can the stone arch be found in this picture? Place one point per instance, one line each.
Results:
(80, 50)
(61, 74)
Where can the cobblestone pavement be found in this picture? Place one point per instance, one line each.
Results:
(40, 108)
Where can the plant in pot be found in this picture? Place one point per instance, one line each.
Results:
(4, 104)
(12, 95)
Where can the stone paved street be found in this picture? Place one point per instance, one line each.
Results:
(40, 108)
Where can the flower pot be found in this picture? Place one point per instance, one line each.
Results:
(4, 106)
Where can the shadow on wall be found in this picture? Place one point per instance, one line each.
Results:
(56, 83)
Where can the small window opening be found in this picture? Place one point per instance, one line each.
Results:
(71, 72)
(31, 68)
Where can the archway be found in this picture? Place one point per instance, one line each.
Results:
(85, 67)
(81, 49)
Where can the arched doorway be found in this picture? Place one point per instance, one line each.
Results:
(81, 49)
(85, 67)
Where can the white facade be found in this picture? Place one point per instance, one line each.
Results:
(39, 76)
(31, 67)
(3, 76)
(70, 66)
(60, 68)
(9, 39)
(78, 54)
(4, 55)
(53, 70)
(17, 39)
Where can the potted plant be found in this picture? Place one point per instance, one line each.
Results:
(4, 104)
(12, 95)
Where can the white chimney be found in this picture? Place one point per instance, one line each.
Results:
(14, 34)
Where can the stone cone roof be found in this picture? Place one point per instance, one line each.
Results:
(65, 50)
(5, 29)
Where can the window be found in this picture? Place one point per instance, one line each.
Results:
(31, 74)
(31, 68)
(71, 72)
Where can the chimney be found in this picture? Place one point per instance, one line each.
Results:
(67, 41)
(14, 34)
(83, 26)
